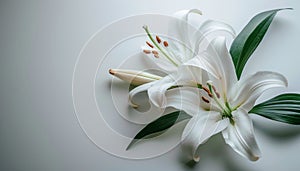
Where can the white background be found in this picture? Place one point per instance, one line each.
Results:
(39, 44)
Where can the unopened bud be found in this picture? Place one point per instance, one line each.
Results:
(134, 77)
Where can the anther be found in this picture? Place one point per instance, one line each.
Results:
(158, 39)
(149, 44)
(206, 89)
(146, 51)
(155, 52)
(156, 55)
(166, 44)
(210, 95)
(214, 88)
(218, 94)
(205, 99)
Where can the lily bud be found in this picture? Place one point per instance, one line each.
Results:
(134, 77)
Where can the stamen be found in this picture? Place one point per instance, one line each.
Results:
(205, 99)
(206, 89)
(166, 44)
(158, 47)
(218, 94)
(155, 52)
(146, 51)
(156, 55)
(158, 39)
(210, 95)
(149, 44)
(214, 88)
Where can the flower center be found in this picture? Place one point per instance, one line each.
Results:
(214, 95)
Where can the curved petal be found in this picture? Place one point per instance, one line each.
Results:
(157, 92)
(211, 29)
(199, 129)
(217, 61)
(138, 90)
(184, 14)
(188, 99)
(180, 29)
(219, 55)
(185, 76)
(240, 136)
(248, 89)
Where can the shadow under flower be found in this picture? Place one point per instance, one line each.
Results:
(276, 130)
(216, 155)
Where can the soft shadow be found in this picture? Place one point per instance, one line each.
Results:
(216, 155)
(280, 131)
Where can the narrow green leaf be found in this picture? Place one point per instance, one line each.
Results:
(249, 38)
(159, 125)
(283, 108)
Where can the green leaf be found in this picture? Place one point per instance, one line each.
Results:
(249, 38)
(159, 125)
(283, 108)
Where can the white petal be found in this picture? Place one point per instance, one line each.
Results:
(210, 30)
(240, 136)
(184, 14)
(187, 99)
(221, 59)
(199, 129)
(138, 90)
(157, 92)
(185, 75)
(217, 61)
(248, 89)
(180, 29)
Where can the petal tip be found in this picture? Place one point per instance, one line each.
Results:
(196, 158)
(254, 158)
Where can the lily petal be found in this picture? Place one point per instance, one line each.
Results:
(187, 99)
(217, 61)
(249, 89)
(199, 129)
(138, 90)
(181, 30)
(240, 136)
(157, 92)
(210, 30)
(185, 76)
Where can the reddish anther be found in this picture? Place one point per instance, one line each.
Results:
(205, 99)
(146, 51)
(166, 44)
(158, 39)
(149, 44)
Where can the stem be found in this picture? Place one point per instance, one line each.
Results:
(158, 47)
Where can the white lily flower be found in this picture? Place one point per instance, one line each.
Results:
(169, 54)
(206, 87)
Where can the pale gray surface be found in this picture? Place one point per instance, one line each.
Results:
(39, 45)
